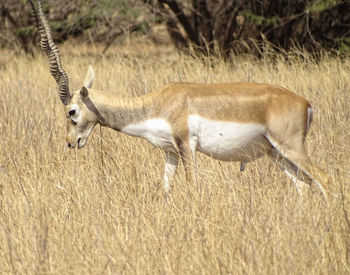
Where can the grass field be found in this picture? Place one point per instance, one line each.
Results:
(101, 210)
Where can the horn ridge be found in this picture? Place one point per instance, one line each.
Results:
(51, 50)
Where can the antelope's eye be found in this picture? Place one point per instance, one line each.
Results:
(71, 112)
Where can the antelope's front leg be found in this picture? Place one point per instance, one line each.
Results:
(171, 162)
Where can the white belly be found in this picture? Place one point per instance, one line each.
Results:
(228, 141)
(156, 131)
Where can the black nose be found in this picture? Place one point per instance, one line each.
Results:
(69, 145)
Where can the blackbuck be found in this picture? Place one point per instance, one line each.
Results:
(226, 121)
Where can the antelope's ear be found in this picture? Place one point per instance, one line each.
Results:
(89, 77)
(84, 92)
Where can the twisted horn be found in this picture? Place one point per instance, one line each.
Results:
(51, 50)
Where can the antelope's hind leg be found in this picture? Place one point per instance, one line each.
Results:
(298, 164)
(299, 179)
(309, 169)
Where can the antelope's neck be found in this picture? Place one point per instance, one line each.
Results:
(117, 113)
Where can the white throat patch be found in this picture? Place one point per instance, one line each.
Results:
(156, 131)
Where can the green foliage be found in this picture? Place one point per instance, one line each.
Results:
(260, 20)
(344, 46)
(280, 22)
(322, 5)
(25, 31)
(99, 21)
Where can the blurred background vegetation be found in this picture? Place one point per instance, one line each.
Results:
(219, 27)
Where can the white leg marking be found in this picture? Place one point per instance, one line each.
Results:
(172, 160)
(321, 188)
(286, 166)
(299, 185)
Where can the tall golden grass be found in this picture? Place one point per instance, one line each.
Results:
(101, 210)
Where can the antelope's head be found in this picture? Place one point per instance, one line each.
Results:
(80, 112)
(81, 115)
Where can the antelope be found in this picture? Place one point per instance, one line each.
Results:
(226, 121)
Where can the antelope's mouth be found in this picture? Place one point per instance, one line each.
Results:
(81, 143)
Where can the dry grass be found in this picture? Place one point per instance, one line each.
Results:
(101, 209)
